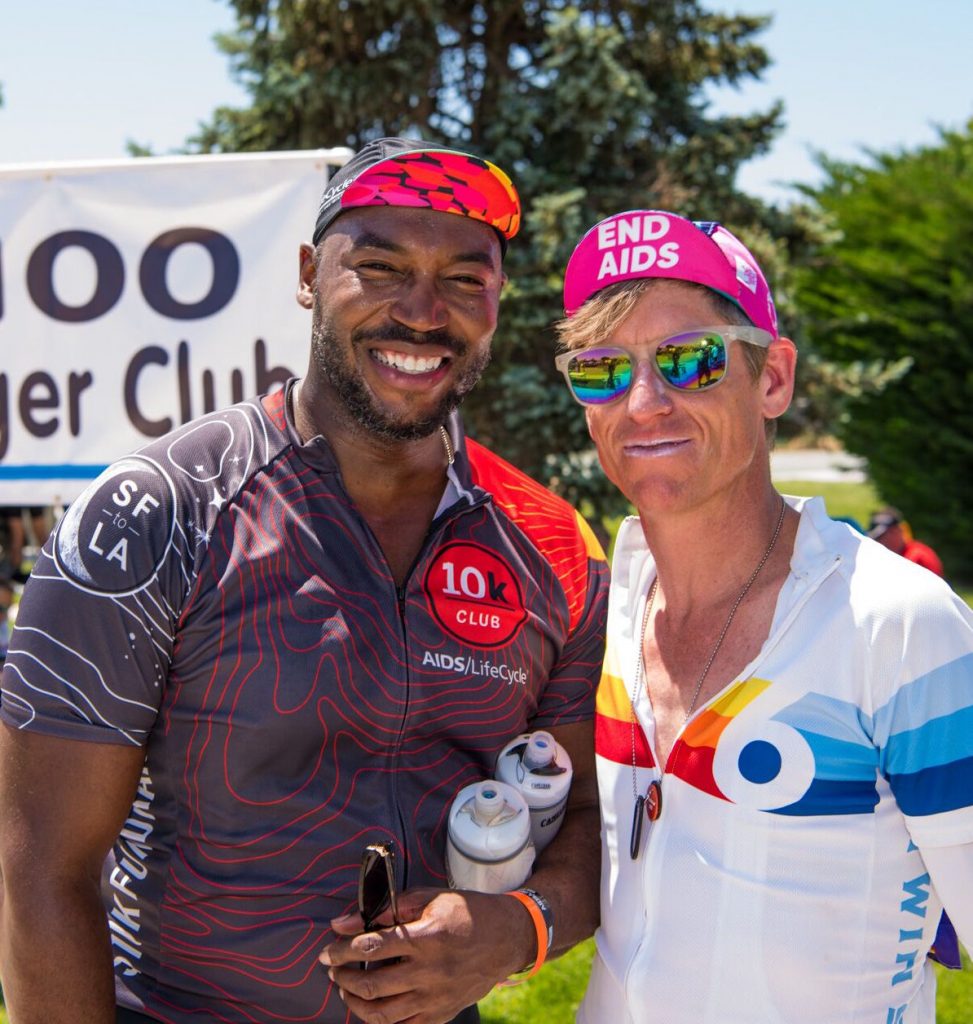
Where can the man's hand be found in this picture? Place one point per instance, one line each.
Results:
(452, 948)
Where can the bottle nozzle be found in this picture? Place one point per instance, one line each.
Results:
(541, 750)
(488, 802)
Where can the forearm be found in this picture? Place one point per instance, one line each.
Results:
(62, 802)
(567, 874)
(55, 954)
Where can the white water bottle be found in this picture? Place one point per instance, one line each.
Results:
(488, 845)
(538, 767)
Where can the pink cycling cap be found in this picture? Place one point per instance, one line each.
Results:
(655, 243)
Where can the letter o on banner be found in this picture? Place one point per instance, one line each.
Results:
(109, 280)
(226, 273)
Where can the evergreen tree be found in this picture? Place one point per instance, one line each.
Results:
(893, 291)
(591, 107)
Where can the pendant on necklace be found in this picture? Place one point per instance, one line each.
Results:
(651, 804)
(636, 839)
(653, 800)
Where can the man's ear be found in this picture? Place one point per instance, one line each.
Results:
(777, 377)
(307, 273)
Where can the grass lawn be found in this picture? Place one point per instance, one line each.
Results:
(553, 996)
(856, 500)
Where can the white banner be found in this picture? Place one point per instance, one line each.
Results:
(136, 295)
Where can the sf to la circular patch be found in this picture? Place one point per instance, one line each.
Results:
(113, 539)
(474, 595)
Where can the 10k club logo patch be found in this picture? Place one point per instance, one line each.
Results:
(474, 595)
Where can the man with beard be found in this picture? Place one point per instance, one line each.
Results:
(294, 628)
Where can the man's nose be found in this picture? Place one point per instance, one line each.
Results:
(648, 396)
(420, 306)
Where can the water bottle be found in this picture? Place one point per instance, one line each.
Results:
(538, 767)
(488, 845)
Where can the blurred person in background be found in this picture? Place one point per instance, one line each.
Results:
(18, 538)
(892, 531)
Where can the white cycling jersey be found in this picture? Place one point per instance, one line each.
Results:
(785, 880)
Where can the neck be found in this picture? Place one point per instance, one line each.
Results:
(396, 486)
(702, 559)
(374, 468)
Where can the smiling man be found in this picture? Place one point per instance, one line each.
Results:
(229, 667)
(783, 733)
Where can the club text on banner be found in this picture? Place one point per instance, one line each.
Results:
(137, 294)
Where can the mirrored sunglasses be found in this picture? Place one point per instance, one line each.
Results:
(693, 361)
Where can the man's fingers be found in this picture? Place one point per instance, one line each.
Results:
(384, 944)
(383, 995)
(394, 1010)
(347, 924)
(454, 947)
(384, 981)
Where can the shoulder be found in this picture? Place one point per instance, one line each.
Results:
(554, 527)
(539, 512)
(882, 583)
(907, 620)
(161, 500)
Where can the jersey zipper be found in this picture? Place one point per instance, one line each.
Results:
(648, 846)
(454, 512)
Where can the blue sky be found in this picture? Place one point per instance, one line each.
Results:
(78, 80)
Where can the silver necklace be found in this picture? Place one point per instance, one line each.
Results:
(651, 802)
(447, 444)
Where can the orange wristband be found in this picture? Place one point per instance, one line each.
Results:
(540, 927)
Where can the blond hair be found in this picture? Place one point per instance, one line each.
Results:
(602, 314)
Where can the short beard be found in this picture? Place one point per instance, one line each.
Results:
(339, 371)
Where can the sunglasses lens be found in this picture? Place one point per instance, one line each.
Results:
(693, 364)
(373, 890)
(600, 375)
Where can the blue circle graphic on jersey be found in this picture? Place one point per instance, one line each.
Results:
(810, 757)
(759, 761)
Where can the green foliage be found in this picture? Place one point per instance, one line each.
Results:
(894, 289)
(592, 107)
(551, 997)
(954, 994)
(842, 500)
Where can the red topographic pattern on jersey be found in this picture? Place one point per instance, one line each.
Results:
(299, 676)
(274, 407)
(297, 703)
(330, 712)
